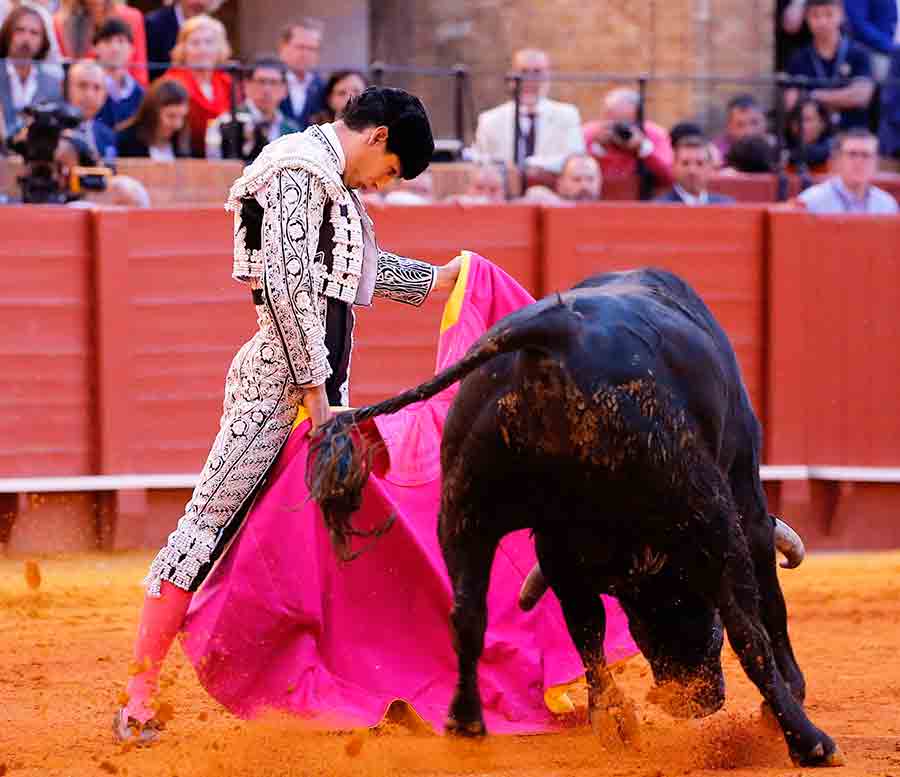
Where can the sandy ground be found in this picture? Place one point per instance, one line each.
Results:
(64, 649)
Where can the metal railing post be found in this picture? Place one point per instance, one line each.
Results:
(461, 75)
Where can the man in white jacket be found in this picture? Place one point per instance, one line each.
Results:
(549, 131)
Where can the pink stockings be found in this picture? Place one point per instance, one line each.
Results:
(161, 620)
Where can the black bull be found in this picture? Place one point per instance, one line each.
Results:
(611, 420)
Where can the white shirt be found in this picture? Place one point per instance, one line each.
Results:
(297, 90)
(119, 93)
(692, 199)
(163, 153)
(22, 93)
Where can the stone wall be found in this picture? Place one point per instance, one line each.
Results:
(682, 38)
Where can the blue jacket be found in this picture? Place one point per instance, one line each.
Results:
(115, 113)
(889, 129)
(315, 102)
(873, 22)
(104, 140)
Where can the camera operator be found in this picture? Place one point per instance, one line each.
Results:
(259, 117)
(617, 142)
(62, 168)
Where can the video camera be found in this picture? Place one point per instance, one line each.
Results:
(42, 182)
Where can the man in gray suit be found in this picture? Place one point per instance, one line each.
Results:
(23, 38)
(549, 131)
(692, 168)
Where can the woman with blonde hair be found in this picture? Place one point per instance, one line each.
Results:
(76, 22)
(202, 46)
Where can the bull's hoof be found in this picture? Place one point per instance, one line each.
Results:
(613, 719)
(471, 730)
(826, 753)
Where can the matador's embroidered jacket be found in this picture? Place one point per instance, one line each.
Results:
(305, 247)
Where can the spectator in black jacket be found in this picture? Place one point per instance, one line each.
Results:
(162, 28)
(692, 169)
(159, 129)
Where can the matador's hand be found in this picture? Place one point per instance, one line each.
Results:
(315, 400)
(447, 275)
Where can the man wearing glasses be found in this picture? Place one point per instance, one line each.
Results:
(855, 162)
(262, 121)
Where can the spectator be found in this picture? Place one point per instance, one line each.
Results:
(265, 88)
(744, 117)
(684, 129)
(692, 169)
(851, 190)
(889, 130)
(159, 129)
(791, 31)
(202, 46)
(618, 142)
(579, 181)
(873, 24)
(418, 191)
(549, 130)
(86, 91)
(833, 57)
(339, 90)
(23, 37)
(77, 21)
(162, 26)
(809, 135)
(114, 43)
(752, 154)
(299, 50)
(487, 186)
(41, 7)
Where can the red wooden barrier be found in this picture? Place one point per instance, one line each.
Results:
(720, 251)
(834, 361)
(172, 321)
(47, 424)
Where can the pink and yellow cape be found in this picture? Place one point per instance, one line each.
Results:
(281, 624)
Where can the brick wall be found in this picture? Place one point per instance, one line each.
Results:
(656, 37)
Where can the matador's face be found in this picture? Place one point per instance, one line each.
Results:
(370, 165)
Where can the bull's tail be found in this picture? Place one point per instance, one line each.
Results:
(339, 460)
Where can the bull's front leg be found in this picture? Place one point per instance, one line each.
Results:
(612, 715)
(469, 556)
(739, 608)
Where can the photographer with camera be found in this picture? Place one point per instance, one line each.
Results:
(259, 120)
(619, 144)
(60, 166)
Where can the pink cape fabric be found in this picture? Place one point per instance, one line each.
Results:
(281, 624)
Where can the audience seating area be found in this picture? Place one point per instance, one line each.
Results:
(206, 182)
(118, 326)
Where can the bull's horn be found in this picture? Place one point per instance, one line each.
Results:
(789, 544)
(533, 588)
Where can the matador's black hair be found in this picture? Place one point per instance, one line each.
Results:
(409, 131)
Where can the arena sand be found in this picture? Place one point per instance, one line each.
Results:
(66, 626)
